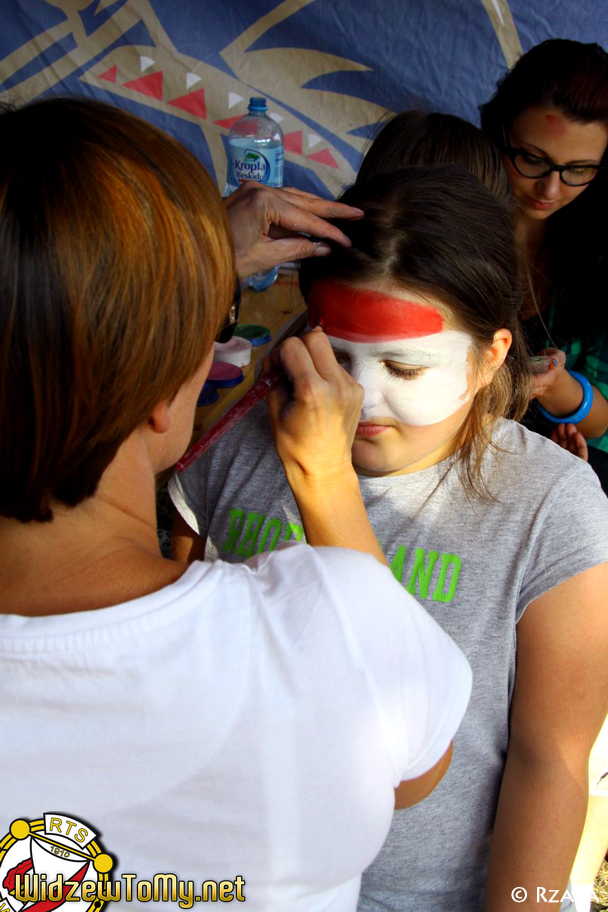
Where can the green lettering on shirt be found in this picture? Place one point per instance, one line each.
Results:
(421, 572)
(293, 531)
(274, 526)
(237, 518)
(398, 562)
(255, 521)
(448, 560)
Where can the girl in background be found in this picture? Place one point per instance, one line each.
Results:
(549, 119)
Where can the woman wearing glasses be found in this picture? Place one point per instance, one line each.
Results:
(549, 116)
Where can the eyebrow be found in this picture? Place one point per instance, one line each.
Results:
(401, 357)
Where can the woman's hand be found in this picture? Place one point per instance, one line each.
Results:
(314, 414)
(268, 226)
(544, 383)
(569, 437)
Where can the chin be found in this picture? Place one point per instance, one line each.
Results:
(369, 457)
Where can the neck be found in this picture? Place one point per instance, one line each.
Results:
(103, 552)
(530, 234)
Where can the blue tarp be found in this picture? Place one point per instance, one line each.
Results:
(329, 68)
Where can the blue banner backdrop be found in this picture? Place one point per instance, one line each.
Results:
(329, 68)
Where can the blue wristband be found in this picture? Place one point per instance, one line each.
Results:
(582, 411)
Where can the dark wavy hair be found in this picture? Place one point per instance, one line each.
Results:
(573, 78)
(420, 137)
(426, 229)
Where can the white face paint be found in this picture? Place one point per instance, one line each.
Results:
(418, 382)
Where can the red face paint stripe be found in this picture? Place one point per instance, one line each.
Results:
(357, 315)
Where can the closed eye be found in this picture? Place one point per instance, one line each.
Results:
(404, 373)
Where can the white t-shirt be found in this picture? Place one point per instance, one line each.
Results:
(249, 719)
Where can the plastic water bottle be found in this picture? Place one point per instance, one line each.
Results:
(255, 152)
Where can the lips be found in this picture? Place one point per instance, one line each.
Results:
(369, 429)
(539, 204)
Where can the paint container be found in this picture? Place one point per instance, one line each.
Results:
(208, 395)
(540, 364)
(237, 351)
(223, 375)
(257, 335)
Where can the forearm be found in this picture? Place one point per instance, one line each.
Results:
(564, 398)
(540, 818)
(333, 512)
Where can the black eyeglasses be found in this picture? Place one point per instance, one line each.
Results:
(229, 325)
(533, 166)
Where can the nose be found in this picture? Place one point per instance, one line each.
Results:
(371, 395)
(549, 187)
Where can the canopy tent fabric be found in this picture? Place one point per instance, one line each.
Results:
(329, 68)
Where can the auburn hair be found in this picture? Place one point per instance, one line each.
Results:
(116, 269)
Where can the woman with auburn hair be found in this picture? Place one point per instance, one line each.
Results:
(549, 118)
(470, 507)
(239, 724)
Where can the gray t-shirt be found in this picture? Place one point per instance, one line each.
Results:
(474, 565)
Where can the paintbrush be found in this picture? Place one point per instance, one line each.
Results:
(257, 393)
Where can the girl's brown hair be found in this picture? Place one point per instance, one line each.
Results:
(437, 230)
(116, 268)
(419, 137)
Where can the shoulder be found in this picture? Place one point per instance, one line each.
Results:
(528, 464)
(341, 613)
(555, 512)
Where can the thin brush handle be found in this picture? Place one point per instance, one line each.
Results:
(256, 394)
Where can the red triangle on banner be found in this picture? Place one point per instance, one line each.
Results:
(194, 103)
(110, 74)
(293, 142)
(325, 158)
(148, 85)
(229, 122)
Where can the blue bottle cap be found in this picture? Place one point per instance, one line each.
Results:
(257, 104)
(208, 395)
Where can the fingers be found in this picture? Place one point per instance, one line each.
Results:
(287, 215)
(577, 443)
(326, 208)
(569, 437)
(273, 253)
(558, 436)
(558, 357)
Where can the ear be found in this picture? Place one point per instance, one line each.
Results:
(159, 421)
(495, 354)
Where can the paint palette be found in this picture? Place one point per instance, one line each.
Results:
(257, 335)
(208, 395)
(237, 351)
(223, 375)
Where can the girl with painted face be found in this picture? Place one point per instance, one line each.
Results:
(549, 118)
(470, 509)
